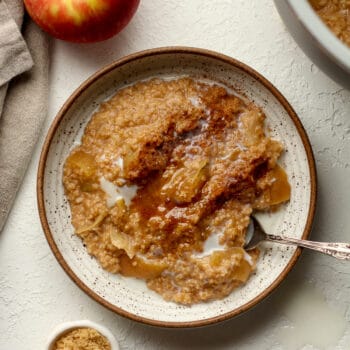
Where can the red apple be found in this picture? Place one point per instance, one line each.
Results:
(82, 20)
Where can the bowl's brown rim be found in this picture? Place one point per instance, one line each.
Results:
(154, 52)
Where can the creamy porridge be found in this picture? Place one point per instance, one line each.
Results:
(336, 15)
(164, 182)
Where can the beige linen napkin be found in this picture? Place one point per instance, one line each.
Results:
(23, 97)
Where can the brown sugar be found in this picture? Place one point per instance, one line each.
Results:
(82, 339)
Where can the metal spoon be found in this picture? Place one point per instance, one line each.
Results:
(256, 234)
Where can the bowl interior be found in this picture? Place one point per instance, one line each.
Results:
(131, 297)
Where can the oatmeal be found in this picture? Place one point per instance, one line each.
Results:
(164, 182)
(336, 15)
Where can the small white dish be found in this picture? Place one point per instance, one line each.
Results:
(65, 327)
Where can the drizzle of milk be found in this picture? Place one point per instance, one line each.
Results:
(248, 258)
(203, 124)
(211, 245)
(115, 193)
(120, 162)
(196, 102)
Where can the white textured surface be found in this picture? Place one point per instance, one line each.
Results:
(35, 293)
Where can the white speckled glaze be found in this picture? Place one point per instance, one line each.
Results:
(131, 297)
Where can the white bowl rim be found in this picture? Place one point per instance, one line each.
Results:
(325, 38)
(71, 325)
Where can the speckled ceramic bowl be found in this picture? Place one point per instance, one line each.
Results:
(316, 39)
(130, 297)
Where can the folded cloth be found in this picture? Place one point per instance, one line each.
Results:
(23, 97)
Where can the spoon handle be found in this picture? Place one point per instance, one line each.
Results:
(337, 250)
